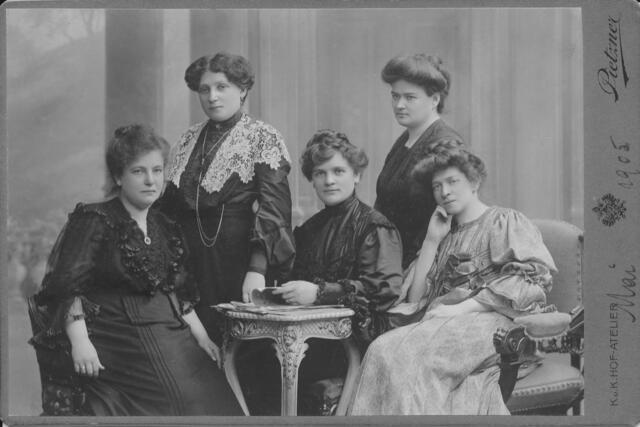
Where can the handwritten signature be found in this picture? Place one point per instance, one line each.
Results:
(623, 301)
(608, 76)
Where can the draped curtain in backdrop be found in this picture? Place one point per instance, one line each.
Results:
(516, 95)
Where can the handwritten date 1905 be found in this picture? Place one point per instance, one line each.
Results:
(624, 171)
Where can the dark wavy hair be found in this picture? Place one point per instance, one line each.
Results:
(324, 144)
(236, 67)
(443, 157)
(421, 69)
(128, 144)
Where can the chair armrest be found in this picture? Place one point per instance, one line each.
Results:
(576, 330)
(546, 332)
(513, 345)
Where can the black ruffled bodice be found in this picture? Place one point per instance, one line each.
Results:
(354, 254)
(101, 250)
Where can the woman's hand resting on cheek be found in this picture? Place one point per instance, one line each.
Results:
(439, 226)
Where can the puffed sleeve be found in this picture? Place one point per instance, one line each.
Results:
(524, 266)
(377, 286)
(71, 267)
(271, 240)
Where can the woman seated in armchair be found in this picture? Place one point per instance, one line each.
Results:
(479, 267)
(348, 253)
(116, 305)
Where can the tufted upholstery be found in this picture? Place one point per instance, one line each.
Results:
(557, 383)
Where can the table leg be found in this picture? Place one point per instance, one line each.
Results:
(290, 349)
(231, 373)
(353, 356)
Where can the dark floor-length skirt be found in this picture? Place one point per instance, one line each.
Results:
(220, 272)
(153, 364)
(220, 269)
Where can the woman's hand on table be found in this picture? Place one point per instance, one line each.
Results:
(85, 358)
(252, 280)
(298, 292)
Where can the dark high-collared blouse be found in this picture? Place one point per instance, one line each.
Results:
(353, 252)
(406, 203)
(237, 163)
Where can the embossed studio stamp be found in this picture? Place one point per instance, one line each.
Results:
(609, 75)
(610, 209)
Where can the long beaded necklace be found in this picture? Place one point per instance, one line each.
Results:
(206, 240)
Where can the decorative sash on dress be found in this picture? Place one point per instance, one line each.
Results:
(460, 270)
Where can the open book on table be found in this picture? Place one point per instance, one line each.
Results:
(264, 301)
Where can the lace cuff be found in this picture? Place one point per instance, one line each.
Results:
(328, 293)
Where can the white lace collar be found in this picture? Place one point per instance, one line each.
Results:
(249, 142)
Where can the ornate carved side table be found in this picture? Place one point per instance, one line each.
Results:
(289, 331)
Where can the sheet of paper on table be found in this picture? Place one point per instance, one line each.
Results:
(265, 302)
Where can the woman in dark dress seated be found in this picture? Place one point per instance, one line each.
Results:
(118, 296)
(419, 86)
(348, 253)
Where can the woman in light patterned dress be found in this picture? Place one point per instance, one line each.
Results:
(479, 267)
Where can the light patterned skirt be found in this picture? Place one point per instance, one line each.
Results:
(438, 366)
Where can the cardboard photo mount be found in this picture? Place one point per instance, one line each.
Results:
(611, 108)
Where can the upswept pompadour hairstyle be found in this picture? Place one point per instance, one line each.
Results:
(443, 157)
(236, 67)
(127, 144)
(324, 144)
(420, 69)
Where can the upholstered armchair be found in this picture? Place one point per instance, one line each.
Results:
(62, 389)
(541, 356)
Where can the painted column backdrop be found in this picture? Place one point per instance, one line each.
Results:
(75, 75)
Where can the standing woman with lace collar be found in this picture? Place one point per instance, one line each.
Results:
(228, 189)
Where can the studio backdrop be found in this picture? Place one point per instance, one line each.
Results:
(75, 75)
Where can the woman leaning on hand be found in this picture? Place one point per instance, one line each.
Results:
(229, 191)
(419, 86)
(119, 289)
(479, 267)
